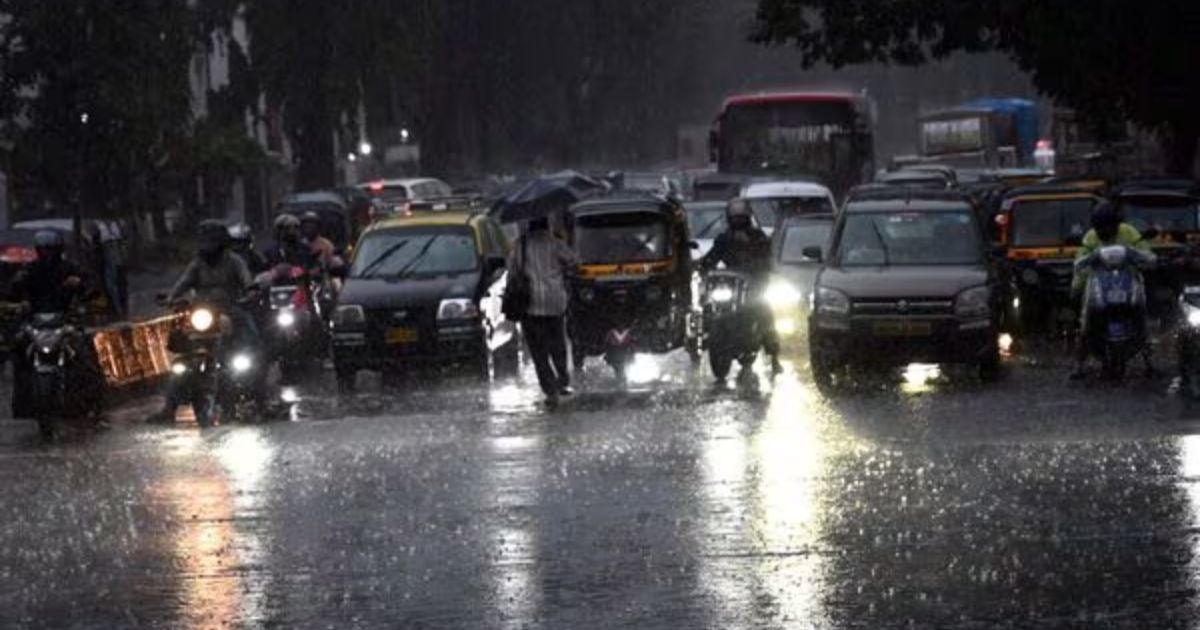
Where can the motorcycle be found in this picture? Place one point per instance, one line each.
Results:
(56, 388)
(731, 330)
(295, 328)
(1114, 307)
(209, 370)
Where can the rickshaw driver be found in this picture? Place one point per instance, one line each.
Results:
(745, 248)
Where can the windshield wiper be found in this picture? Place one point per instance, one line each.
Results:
(887, 256)
(380, 259)
(418, 258)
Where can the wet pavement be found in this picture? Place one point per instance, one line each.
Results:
(670, 503)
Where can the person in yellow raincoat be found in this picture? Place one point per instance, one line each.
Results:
(1108, 228)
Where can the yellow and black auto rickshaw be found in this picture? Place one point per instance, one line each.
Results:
(632, 293)
(1042, 227)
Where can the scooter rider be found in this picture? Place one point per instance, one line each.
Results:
(49, 285)
(1108, 228)
(745, 248)
(220, 277)
(242, 243)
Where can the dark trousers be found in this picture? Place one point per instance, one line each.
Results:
(548, 345)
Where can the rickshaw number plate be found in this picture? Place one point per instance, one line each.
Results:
(903, 329)
(397, 336)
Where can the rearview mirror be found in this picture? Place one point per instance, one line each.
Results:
(813, 253)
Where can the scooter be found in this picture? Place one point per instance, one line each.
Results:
(209, 370)
(56, 389)
(731, 331)
(1114, 306)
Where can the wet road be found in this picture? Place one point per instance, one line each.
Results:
(670, 504)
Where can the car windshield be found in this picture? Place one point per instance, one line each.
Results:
(1050, 222)
(706, 221)
(621, 238)
(770, 210)
(1165, 214)
(798, 236)
(413, 251)
(910, 237)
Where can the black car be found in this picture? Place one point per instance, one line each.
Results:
(424, 290)
(908, 278)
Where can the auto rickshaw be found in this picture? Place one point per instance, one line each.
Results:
(632, 292)
(1042, 227)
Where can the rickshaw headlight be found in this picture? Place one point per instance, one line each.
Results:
(586, 294)
(202, 319)
(721, 294)
(653, 293)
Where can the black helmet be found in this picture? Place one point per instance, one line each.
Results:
(738, 214)
(48, 244)
(211, 237)
(1106, 220)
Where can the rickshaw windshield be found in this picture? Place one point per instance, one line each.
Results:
(1050, 222)
(1165, 214)
(622, 238)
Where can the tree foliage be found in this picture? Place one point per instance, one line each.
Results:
(1108, 59)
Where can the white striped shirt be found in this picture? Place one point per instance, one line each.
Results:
(546, 260)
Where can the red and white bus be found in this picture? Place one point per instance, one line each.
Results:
(822, 135)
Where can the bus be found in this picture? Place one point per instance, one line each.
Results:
(825, 136)
(984, 133)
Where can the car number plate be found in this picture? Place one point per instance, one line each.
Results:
(1117, 296)
(397, 336)
(903, 329)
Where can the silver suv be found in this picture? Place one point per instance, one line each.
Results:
(909, 277)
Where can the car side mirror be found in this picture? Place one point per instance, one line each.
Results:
(813, 253)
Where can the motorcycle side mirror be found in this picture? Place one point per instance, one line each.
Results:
(813, 253)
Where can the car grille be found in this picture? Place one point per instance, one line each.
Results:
(918, 307)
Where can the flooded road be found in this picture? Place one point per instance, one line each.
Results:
(672, 503)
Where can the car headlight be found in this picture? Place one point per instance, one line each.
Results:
(202, 319)
(1193, 315)
(781, 294)
(973, 303)
(721, 294)
(831, 302)
(286, 318)
(241, 363)
(457, 308)
(349, 315)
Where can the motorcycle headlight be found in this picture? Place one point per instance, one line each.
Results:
(457, 308)
(831, 302)
(721, 294)
(781, 294)
(241, 363)
(974, 303)
(286, 318)
(202, 319)
(178, 369)
(349, 315)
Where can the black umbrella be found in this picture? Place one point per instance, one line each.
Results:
(544, 196)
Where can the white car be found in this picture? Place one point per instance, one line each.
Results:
(772, 202)
(397, 192)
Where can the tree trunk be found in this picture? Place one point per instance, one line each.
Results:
(313, 141)
(1180, 148)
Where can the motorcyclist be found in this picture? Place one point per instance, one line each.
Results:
(1108, 228)
(219, 277)
(50, 285)
(242, 243)
(745, 248)
(322, 248)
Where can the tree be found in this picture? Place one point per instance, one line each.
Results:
(97, 96)
(1108, 59)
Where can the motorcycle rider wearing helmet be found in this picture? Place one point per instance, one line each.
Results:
(50, 285)
(289, 248)
(242, 243)
(322, 248)
(745, 248)
(1108, 229)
